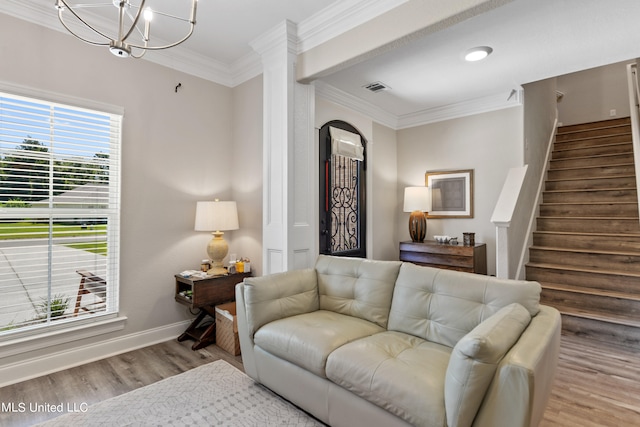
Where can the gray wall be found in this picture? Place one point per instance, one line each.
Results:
(489, 143)
(590, 95)
(539, 121)
(177, 148)
(246, 174)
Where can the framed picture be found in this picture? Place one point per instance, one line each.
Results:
(451, 194)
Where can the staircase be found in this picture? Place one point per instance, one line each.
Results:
(586, 250)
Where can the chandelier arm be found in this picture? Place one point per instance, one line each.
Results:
(139, 56)
(79, 37)
(165, 46)
(135, 20)
(84, 22)
(87, 5)
(133, 26)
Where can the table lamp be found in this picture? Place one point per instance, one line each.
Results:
(417, 201)
(217, 217)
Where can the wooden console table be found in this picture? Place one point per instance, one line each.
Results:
(472, 259)
(206, 293)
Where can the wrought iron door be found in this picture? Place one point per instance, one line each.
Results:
(342, 198)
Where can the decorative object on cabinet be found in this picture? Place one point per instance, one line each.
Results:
(217, 217)
(130, 36)
(472, 259)
(416, 201)
(451, 194)
(469, 239)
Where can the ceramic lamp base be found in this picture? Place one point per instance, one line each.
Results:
(217, 250)
(417, 226)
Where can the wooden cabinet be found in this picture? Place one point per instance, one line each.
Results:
(472, 259)
(208, 291)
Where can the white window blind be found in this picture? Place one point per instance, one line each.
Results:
(347, 144)
(59, 215)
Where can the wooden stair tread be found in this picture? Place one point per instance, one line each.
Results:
(583, 269)
(599, 218)
(599, 124)
(613, 202)
(578, 233)
(585, 190)
(590, 291)
(592, 178)
(586, 251)
(564, 149)
(609, 318)
(573, 168)
(592, 137)
(598, 156)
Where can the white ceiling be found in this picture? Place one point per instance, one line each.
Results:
(532, 40)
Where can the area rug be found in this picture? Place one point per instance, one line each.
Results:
(215, 394)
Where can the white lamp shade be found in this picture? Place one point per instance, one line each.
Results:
(417, 199)
(216, 216)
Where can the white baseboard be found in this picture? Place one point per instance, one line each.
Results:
(54, 362)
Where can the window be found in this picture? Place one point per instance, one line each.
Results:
(342, 190)
(59, 215)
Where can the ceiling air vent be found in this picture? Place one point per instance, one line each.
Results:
(376, 87)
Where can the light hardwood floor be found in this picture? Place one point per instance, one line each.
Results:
(596, 384)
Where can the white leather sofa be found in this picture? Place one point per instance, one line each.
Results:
(356, 342)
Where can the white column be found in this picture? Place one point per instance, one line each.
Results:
(288, 239)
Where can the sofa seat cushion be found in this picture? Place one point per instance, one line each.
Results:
(307, 339)
(399, 372)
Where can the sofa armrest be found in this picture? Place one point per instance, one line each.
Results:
(246, 341)
(526, 371)
(280, 295)
(260, 300)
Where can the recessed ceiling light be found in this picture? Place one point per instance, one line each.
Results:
(477, 53)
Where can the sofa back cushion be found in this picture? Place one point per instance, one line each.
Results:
(357, 287)
(444, 305)
(474, 360)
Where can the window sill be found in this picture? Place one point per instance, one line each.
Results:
(28, 343)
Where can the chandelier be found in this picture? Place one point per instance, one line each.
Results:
(131, 37)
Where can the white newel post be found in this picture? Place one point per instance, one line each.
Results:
(288, 237)
(501, 218)
(502, 249)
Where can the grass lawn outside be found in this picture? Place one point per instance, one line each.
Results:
(28, 230)
(95, 234)
(97, 247)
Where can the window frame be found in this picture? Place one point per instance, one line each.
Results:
(51, 333)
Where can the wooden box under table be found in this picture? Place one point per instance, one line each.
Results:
(472, 259)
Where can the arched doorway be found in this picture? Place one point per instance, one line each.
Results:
(342, 190)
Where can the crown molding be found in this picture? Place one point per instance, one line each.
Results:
(333, 94)
(189, 62)
(273, 39)
(471, 107)
(28, 10)
(339, 18)
(432, 115)
(245, 68)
